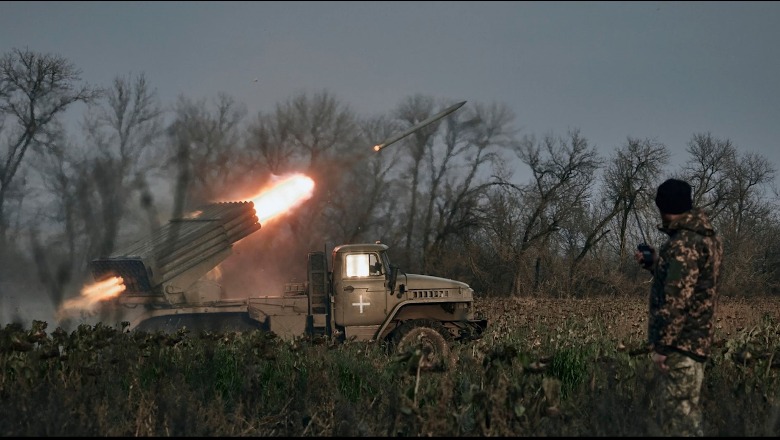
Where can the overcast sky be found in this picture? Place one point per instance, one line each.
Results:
(662, 70)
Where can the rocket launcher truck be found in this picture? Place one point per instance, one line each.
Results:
(358, 294)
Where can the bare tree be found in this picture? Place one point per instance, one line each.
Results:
(584, 234)
(91, 186)
(748, 178)
(122, 133)
(628, 184)
(733, 189)
(55, 233)
(367, 213)
(319, 136)
(206, 149)
(562, 171)
(34, 89)
(562, 174)
(268, 143)
(707, 171)
(59, 174)
(458, 171)
(496, 250)
(745, 219)
(411, 111)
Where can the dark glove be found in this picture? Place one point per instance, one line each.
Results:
(648, 255)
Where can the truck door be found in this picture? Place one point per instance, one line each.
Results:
(360, 290)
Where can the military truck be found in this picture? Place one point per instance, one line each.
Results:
(358, 295)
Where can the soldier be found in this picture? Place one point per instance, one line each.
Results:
(681, 307)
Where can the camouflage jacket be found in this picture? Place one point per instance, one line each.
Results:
(683, 295)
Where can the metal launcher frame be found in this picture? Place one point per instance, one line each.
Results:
(166, 268)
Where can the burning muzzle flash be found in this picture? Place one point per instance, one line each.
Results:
(282, 195)
(92, 294)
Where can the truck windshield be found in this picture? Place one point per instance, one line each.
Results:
(363, 265)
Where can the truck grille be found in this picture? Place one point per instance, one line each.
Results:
(443, 293)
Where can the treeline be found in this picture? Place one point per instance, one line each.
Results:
(471, 197)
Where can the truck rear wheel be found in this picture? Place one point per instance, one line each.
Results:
(427, 337)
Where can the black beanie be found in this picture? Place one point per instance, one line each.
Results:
(674, 197)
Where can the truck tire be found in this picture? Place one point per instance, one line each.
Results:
(426, 336)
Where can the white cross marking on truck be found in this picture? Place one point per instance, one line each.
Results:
(361, 303)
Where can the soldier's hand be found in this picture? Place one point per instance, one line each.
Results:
(645, 259)
(660, 361)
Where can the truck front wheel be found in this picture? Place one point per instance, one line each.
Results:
(423, 339)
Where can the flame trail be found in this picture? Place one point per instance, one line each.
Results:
(281, 196)
(92, 294)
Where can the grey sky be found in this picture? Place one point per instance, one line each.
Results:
(662, 70)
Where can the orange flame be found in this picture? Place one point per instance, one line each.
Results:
(92, 294)
(281, 196)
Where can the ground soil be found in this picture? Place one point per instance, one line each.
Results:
(623, 318)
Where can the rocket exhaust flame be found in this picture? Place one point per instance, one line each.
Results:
(281, 196)
(92, 294)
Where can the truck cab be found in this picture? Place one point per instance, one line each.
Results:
(371, 299)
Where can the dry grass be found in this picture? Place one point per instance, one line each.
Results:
(625, 318)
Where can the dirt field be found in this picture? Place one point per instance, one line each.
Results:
(622, 319)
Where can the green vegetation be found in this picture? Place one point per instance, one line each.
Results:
(528, 376)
